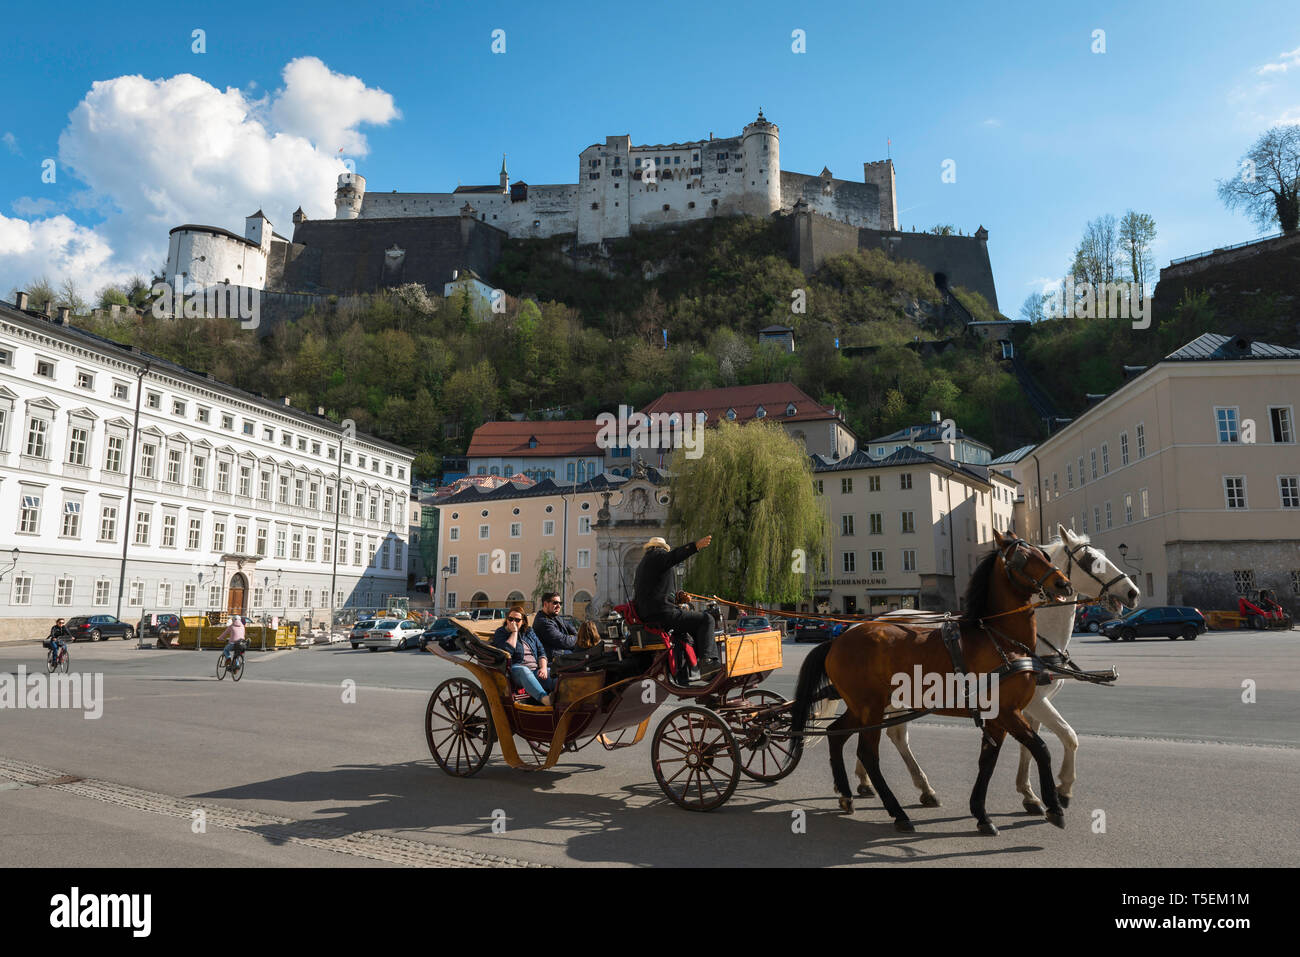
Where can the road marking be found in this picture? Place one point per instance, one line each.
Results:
(317, 834)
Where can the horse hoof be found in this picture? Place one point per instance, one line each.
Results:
(1063, 799)
(929, 800)
(1033, 807)
(1057, 818)
(846, 805)
(988, 828)
(904, 825)
(864, 790)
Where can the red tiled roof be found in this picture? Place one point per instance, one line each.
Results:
(553, 438)
(774, 397)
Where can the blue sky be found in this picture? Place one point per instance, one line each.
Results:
(1045, 133)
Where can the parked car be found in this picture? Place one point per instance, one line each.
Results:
(394, 633)
(443, 631)
(1090, 617)
(359, 631)
(810, 629)
(753, 623)
(166, 628)
(482, 614)
(99, 628)
(1160, 621)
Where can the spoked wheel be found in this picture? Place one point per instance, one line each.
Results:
(51, 663)
(458, 727)
(696, 761)
(765, 755)
(221, 667)
(65, 663)
(237, 667)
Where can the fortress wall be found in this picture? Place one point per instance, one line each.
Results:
(857, 204)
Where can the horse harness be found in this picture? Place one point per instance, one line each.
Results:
(1071, 560)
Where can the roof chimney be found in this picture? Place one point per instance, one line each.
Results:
(320, 410)
(49, 309)
(20, 300)
(935, 417)
(286, 400)
(64, 311)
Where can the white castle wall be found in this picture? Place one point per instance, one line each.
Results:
(207, 258)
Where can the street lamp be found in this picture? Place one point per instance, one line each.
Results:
(13, 564)
(446, 573)
(564, 547)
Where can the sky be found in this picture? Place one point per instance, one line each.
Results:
(121, 121)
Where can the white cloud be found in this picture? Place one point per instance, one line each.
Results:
(10, 142)
(158, 153)
(1283, 63)
(26, 206)
(993, 122)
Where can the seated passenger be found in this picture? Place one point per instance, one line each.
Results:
(529, 666)
(557, 634)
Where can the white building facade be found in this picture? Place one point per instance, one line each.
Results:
(233, 504)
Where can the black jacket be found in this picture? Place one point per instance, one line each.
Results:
(654, 591)
(557, 635)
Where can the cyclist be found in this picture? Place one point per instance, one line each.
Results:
(235, 631)
(57, 640)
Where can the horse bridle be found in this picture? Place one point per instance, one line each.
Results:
(1014, 559)
(1071, 561)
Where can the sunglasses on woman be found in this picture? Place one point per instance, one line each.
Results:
(514, 619)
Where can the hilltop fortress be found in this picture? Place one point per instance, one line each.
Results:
(380, 239)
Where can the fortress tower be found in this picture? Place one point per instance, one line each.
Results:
(348, 197)
(881, 174)
(761, 142)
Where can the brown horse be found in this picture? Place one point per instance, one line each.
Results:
(867, 664)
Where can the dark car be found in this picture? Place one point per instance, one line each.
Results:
(165, 629)
(1159, 621)
(99, 628)
(810, 629)
(1090, 617)
(443, 631)
(753, 623)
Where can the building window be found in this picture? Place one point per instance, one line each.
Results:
(873, 483)
(101, 592)
(846, 524)
(218, 535)
(1081, 479)
(37, 429)
(178, 407)
(909, 559)
(850, 562)
(77, 441)
(121, 391)
(223, 477)
(905, 480)
(296, 547)
(261, 542)
(281, 542)
(135, 595)
(22, 594)
(1295, 582)
(204, 415)
(1128, 508)
(277, 597)
(195, 536)
(169, 531)
(1123, 448)
(877, 561)
(1243, 581)
(45, 368)
(817, 487)
(1092, 462)
(1069, 477)
(189, 595)
(1105, 459)
(284, 490)
(453, 534)
(356, 553)
(174, 465)
(164, 594)
(71, 520)
(1146, 512)
(108, 523)
(1226, 421)
(1141, 441)
(909, 522)
(299, 490)
(846, 486)
(516, 529)
(1108, 520)
(1280, 420)
(1234, 490)
(1289, 486)
(584, 524)
(245, 480)
(584, 558)
(311, 548)
(113, 453)
(548, 527)
(877, 523)
(153, 400)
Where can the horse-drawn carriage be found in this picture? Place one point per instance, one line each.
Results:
(607, 694)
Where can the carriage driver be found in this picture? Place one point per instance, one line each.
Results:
(654, 593)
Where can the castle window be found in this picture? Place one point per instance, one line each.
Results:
(616, 185)
(665, 207)
(695, 157)
(638, 162)
(677, 160)
(715, 204)
(593, 176)
(690, 205)
(595, 205)
(537, 222)
(636, 175)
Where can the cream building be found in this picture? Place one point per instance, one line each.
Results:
(906, 530)
(1188, 475)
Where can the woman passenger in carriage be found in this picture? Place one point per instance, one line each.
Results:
(529, 667)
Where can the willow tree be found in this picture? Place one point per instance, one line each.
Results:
(752, 490)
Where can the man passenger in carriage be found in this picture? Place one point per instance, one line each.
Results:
(557, 634)
(654, 603)
(529, 667)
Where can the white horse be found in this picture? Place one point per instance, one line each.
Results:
(1092, 575)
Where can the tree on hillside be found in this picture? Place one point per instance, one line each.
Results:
(1267, 184)
(751, 489)
(1033, 309)
(1136, 233)
(1097, 258)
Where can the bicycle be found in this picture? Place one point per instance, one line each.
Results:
(62, 662)
(233, 663)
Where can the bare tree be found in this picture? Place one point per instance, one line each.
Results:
(1097, 258)
(1136, 232)
(1033, 308)
(1267, 185)
(71, 297)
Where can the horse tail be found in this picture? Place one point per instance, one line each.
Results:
(813, 686)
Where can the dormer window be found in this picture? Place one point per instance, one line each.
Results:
(760, 412)
(731, 414)
(790, 409)
(532, 441)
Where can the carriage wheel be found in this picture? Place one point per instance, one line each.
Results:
(763, 756)
(458, 727)
(695, 758)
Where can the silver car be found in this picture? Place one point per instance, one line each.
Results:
(359, 631)
(393, 633)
